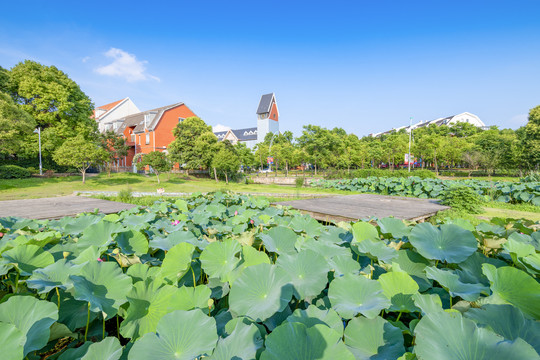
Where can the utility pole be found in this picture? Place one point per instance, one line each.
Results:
(410, 137)
(38, 131)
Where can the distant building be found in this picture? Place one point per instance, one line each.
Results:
(108, 116)
(267, 122)
(465, 117)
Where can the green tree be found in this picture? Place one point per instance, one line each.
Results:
(245, 155)
(158, 162)
(531, 139)
(80, 153)
(395, 146)
(115, 146)
(184, 149)
(15, 126)
(320, 144)
(226, 161)
(55, 101)
(206, 146)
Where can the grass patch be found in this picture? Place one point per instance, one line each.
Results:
(519, 207)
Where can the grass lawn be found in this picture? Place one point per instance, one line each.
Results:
(42, 187)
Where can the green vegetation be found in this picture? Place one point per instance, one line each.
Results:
(158, 162)
(227, 276)
(14, 172)
(462, 198)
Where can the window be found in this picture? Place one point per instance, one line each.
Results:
(133, 137)
(180, 119)
(147, 138)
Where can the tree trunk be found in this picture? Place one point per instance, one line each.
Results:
(84, 176)
(157, 175)
(315, 167)
(435, 161)
(226, 178)
(286, 168)
(215, 175)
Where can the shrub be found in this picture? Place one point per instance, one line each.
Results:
(365, 173)
(462, 198)
(124, 195)
(532, 177)
(299, 182)
(14, 172)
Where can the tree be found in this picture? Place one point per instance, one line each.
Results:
(158, 162)
(184, 149)
(473, 158)
(115, 146)
(226, 161)
(319, 143)
(245, 155)
(15, 126)
(80, 153)
(395, 145)
(205, 147)
(531, 139)
(55, 101)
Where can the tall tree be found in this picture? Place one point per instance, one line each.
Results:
(531, 139)
(15, 126)
(55, 101)
(157, 161)
(115, 146)
(226, 161)
(184, 149)
(80, 153)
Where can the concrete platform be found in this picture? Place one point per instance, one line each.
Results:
(363, 206)
(58, 207)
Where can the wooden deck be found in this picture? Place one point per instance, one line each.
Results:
(58, 207)
(363, 206)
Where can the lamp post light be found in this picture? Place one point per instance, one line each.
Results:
(38, 131)
(410, 135)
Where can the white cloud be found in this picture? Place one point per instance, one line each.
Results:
(125, 65)
(220, 127)
(85, 59)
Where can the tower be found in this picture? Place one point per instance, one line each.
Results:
(267, 116)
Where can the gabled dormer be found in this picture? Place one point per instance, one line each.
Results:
(268, 108)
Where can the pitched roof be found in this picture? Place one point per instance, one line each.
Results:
(107, 108)
(137, 120)
(245, 134)
(265, 103)
(221, 134)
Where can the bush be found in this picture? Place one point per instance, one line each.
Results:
(299, 182)
(14, 172)
(365, 173)
(462, 198)
(532, 177)
(124, 195)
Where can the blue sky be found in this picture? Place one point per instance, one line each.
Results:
(366, 66)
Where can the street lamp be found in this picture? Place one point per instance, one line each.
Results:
(38, 131)
(410, 136)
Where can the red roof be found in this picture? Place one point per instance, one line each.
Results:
(108, 106)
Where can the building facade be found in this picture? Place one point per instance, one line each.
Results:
(109, 116)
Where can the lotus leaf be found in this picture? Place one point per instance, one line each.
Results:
(515, 287)
(452, 337)
(313, 315)
(132, 242)
(103, 285)
(177, 262)
(175, 238)
(364, 231)
(219, 258)
(394, 227)
(373, 339)
(450, 281)
(28, 258)
(107, 349)
(53, 276)
(11, 341)
(260, 292)
(398, 287)
(295, 341)
(354, 294)
(308, 271)
(449, 243)
(242, 343)
(180, 335)
(32, 317)
(99, 234)
(280, 240)
(413, 264)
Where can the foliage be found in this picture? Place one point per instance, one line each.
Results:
(532, 138)
(80, 153)
(14, 172)
(462, 198)
(15, 124)
(56, 102)
(116, 147)
(226, 161)
(374, 172)
(158, 162)
(527, 192)
(227, 276)
(193, 143)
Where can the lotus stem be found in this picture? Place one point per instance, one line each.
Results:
(194, 281)
(103, 329)
(58, 295)
(399, 315)
(117, 327)
(16, 283)
(450, 302)
(87, 322)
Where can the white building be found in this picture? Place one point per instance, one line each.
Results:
(465, 117)
(111, 116)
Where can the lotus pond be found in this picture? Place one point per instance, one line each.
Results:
(224, 276)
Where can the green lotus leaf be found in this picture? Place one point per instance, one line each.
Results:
(336, 235)
(77, 225)
(313, 315)
(90, 254)
(28, 258)
(167, 242)
(364, 231)
(306, 224)
(374, 339)
(413, 264)
(103, 285)
(11, 341)
(343, 264)
(449, 243)
(515, 287)
(451, 337)
(180, 335)
(375, 249)
(394, 227)
(32, 317)
(99, 234)
(354, 294)
(242, 343)
(72, 313)
(398, 287)
(233, 323)
(451, 282)
(308, 271)
(177, 262)
(250, 257)
(260, 292)
(470, 270)
(53, 276)
(295, 341)
(280, 240)
(138, 220)
(428, 303)
(107, 349)
(219, 258)
(141, 272)
(507, 321)
(132, 242)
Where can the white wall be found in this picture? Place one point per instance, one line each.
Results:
(121, 111)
